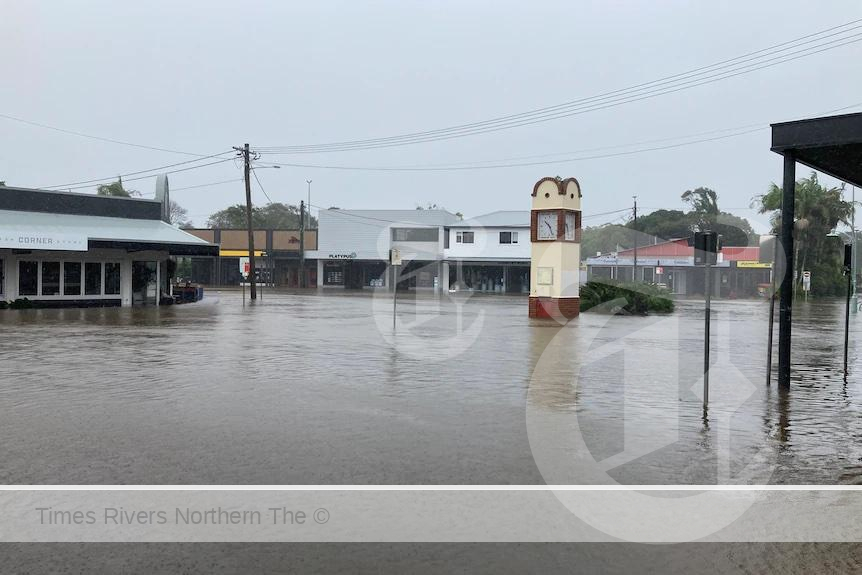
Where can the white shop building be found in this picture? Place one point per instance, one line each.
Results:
(439, 250)
(61, 249)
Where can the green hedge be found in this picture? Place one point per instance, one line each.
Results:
(641, 298)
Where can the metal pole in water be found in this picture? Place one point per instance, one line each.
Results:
(785, 313)
(394, 293)
(847, 321)
(771, 311)
(848, 271)
(708, 292)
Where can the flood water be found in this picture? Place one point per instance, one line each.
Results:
(319, 389)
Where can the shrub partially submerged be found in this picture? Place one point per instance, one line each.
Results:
(641, 298)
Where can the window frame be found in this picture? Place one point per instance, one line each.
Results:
(513, 237)
(61, 296)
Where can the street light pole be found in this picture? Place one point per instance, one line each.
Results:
(308, 204)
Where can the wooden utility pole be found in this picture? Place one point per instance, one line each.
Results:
(246, 156)
(301, 244)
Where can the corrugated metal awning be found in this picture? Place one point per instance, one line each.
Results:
(66, 232)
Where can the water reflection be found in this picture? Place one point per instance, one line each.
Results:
(309, 389)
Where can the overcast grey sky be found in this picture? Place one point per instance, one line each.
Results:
(205, 76)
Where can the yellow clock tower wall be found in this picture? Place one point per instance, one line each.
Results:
(555, 235)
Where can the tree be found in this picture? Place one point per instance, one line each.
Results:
(819, 210)
(116, 189)
(665, 224)
(704, 205)
(179, 216)
(706, 215)
(604, 239)
(271, 216)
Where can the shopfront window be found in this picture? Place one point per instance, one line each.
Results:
(415, 234)
(112, 278)
(71, 278)
(50, 278)
(93, 278)
(333, 274)
(28, 278)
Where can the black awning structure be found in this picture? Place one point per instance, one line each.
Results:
(832, 145)
(174, 249)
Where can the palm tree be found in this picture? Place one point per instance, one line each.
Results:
(819, 210)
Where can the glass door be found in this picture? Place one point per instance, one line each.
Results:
(145, 287)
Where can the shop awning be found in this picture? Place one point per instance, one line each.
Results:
(67, 232)
(832, 145)
(240, 253)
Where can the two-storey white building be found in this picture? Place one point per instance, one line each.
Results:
(489, 253)
(440, 251)
(354, 245)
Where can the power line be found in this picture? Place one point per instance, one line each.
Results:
(478, 165)
(352, 214)
(613, 98)
(590, 107)
(253, 171)
(114, 177)
(207, 185)
(99, 138)
(166, 172)
(510, 165)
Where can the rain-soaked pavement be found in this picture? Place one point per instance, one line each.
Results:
(318, 389)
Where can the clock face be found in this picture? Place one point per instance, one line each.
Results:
(546, 226)
(570, 227)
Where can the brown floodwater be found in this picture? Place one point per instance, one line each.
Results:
(319, 389)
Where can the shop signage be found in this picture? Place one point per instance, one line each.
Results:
(244, 266)
(350, 256)
(42, 241)
(753, 264)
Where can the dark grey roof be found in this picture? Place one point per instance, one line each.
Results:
(832, 144)
(53, 202)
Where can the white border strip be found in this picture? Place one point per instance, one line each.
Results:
(430, 488)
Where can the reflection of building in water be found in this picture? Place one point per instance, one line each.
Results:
(555, 361)
(738, 273)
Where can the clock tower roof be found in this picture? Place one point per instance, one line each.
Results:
(549, 193)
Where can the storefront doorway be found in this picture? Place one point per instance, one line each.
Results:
(145, 283)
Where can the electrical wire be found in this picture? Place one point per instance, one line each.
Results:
(592, 107)
(208, 184)
(253, 171)
(602, 101)
(511, 165)
(166, 172)
(352, 214)
(114, 177)
(99, 138)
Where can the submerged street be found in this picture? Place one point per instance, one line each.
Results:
(316, 389)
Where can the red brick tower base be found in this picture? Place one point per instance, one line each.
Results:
(555, 308)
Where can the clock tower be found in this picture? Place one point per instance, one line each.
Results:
(555, 236)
